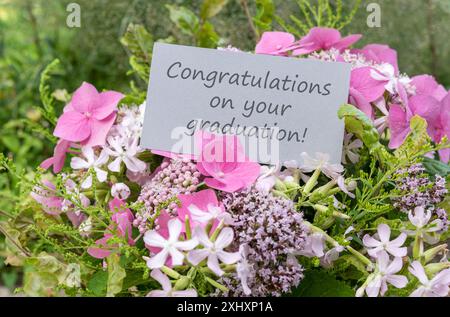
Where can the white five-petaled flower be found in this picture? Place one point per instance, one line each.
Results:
(244, 269)
(167, 290)
(91, 162)
(321, 161)
(314, 246)
(438, 286)
(267, 178)
(120, 190)
(377, 282)
(393, 247)
(169, 247)
(213, 213)
(124, 150)
(213, 250)
(349, 149)
(420, 219)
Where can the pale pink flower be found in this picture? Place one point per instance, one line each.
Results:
(424, 228)
(320, 161)
(380, 242)
(120, 190)
(438, 286)
(314, 246)
(350, 149)
(89, 116)
(169, 247)
(46, 196)
(214, 250)
(267, 178)
(167, 290)
(244, 269)
(91, 162)
(439, 126)
(320, 38)
(384, 274)
(124, 150)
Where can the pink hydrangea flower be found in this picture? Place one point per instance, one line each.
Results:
(425, 106)
(123, 219)
(320, 38)
(202, 208)
(224, 163)
(275, 43)
(379, 54)
(365, 88)
(427, 85)
(58, 158)
(89, 116)
(440, 127)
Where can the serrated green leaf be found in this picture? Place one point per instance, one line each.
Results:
(318, 283)
(211, 8)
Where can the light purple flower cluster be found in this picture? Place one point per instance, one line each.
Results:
(416, 189)
(442, 215)
(176, 176)
(273, 230)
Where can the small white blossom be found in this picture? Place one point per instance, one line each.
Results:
(167, 290)
(120, 190)
(91, 162)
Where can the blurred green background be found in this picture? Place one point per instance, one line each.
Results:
(34, 32)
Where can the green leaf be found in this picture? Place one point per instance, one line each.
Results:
(116, 275)
(207, 36)
(417, 142)
(140, 44)
(265, 11)
(435, 167)
(184, 19)
(211, 8)
(318, 283)
(11, 142)
(359, 124)
(98, 283)
(48, 107)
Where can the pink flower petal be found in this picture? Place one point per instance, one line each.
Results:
(274, 42)
(99, 131)
(73, 126)
(84, 98)
(399, 126)
(106, 104)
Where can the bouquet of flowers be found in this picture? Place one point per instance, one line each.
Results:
(116, 219)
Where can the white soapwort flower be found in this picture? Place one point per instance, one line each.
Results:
(169, 247)
(214, 250)
(321, 161)
(167, 290)
(124, 150)
(91, 162)
(120, 190)
(438, 286)
(350, 149)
